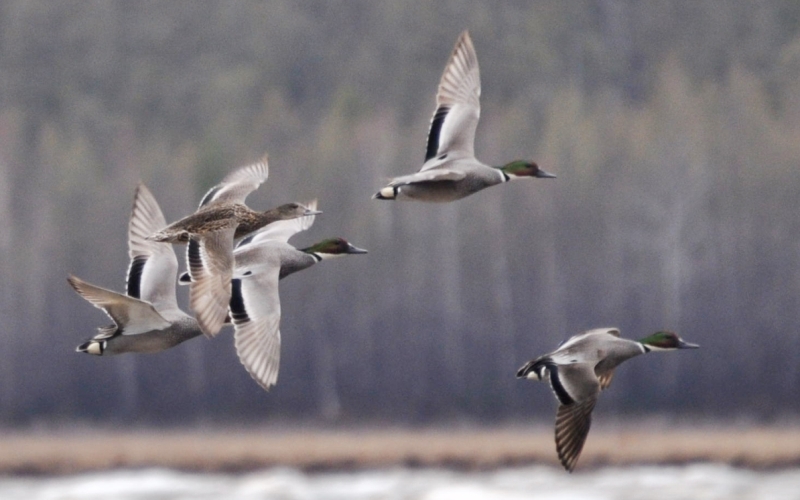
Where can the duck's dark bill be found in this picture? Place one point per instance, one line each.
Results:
(545, 175)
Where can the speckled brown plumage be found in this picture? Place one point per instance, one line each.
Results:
(219, 217)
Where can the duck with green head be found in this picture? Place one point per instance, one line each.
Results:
(451, 171)
(261, 261)
(210, 232)
(582, 367)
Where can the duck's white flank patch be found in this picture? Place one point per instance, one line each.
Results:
(95, 348)
(388, 192)
(533, 375)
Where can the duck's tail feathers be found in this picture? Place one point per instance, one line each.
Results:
(387, 193)
(535, 369)
(97, 344)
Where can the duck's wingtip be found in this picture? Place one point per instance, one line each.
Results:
(74, 282)
(524, 370)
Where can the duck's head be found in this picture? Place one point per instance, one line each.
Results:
(522, 168)
(294, 210)
(333, 247)
(665, 341)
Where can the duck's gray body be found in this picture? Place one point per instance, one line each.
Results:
(451, 171)
(179, 330)
(255, 309)
(578, 370)
(596, 353)
(147, 318)
(464, 179)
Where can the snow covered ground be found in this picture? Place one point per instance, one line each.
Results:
(696, 481)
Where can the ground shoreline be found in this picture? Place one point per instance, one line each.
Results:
(50, 452)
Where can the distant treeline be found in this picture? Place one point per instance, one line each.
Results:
(673, 127)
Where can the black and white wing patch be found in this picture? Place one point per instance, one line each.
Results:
(134, 278)
(573, 382)
(153, 266)
(457, 106)
(435, 130)
(211, 270)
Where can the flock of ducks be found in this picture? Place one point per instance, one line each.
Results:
(236, 257)
(244, 273)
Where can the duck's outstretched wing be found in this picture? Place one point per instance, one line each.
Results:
(572, 426)
(573, 382)
(458, 106)
(256, 314)
(235, 186)
(210, 258)
(153, 266)
(131, 315)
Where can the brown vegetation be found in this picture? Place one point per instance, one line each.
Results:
(238, 450)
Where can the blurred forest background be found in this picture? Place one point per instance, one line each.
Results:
(673, 127)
